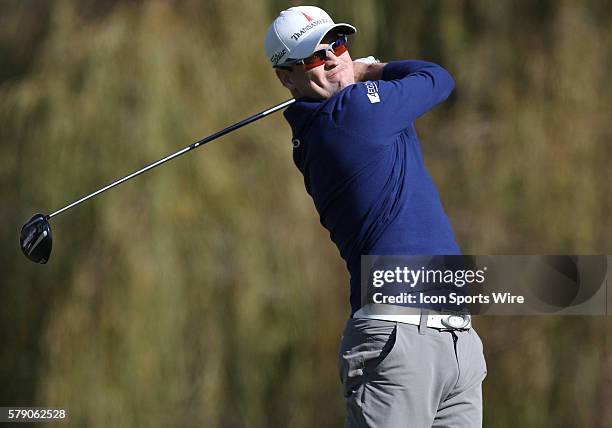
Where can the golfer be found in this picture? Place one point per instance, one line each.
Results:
(355, 143)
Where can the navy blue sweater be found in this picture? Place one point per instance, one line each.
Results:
(362, 166)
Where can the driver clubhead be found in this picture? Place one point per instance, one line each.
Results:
(35, 239)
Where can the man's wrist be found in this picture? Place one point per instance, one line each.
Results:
(368, 68)
(374, 71)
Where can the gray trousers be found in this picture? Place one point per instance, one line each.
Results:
(395, 377)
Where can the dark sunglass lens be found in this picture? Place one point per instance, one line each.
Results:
(339, 46)
(339, 49)
(313, 61)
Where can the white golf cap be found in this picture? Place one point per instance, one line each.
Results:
(297, 31)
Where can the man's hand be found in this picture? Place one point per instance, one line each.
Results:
(367, 69)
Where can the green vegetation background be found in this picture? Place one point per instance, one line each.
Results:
(206, 293)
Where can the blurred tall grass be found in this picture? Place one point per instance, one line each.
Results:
(206, 293)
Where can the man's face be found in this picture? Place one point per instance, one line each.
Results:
(322, 81)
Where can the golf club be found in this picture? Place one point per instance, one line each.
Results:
(35, 238)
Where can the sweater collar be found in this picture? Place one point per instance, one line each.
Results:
(301, 113)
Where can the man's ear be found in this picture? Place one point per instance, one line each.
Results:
(285, 78)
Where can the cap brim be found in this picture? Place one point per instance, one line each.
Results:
(310, 42)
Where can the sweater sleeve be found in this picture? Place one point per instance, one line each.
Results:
(386, 107)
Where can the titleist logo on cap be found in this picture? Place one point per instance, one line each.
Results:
(278, 55)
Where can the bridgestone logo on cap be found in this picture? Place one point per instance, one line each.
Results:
(310, 26)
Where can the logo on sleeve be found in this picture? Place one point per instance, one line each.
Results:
(372, 92)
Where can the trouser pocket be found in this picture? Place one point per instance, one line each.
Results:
(365, 344)
(352, 376)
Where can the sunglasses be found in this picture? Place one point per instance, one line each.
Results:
(338, 47)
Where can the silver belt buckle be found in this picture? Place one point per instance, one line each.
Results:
(456, 321)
